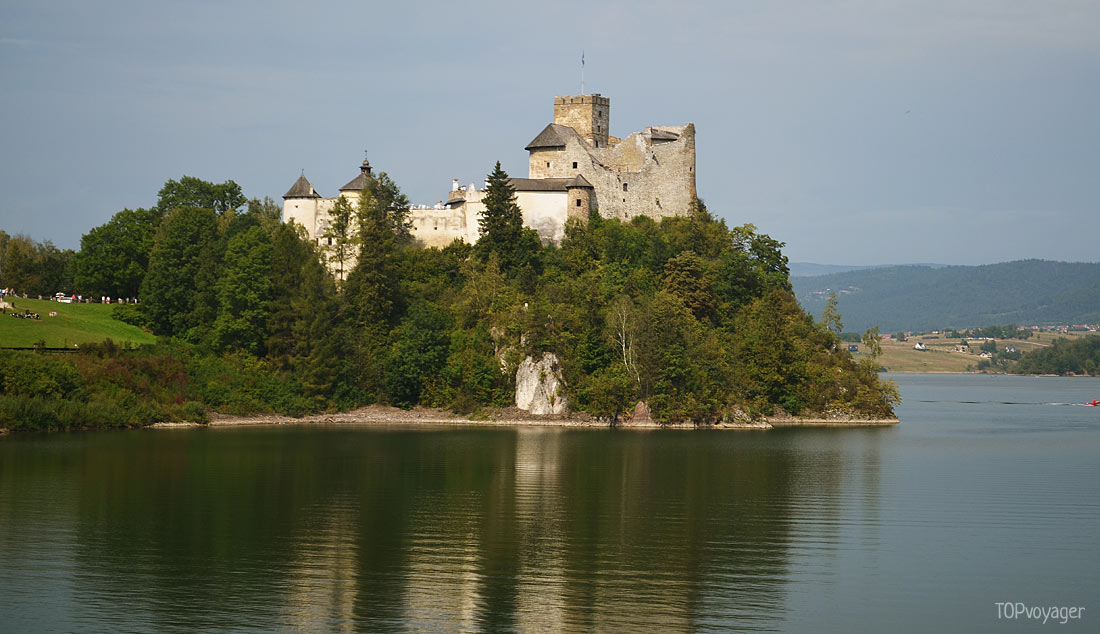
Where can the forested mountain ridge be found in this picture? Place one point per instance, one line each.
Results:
(926, 298)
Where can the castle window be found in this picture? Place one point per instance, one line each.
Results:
(547, 163)
(578, 202)
(574, 165)
(624, 187)
(330, 242)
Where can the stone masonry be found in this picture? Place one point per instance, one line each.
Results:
(575, 166)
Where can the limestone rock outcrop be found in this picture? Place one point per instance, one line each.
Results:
(539, 386)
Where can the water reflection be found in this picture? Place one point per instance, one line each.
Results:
(357, 529)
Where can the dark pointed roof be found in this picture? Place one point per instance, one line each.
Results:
(302, 188)
(360, 181)
(553, 135)
(356, 183)
(578, 181)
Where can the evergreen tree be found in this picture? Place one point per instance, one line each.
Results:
(501, 225)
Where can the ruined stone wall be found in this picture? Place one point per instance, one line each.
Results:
(659, 174)
(644, 176)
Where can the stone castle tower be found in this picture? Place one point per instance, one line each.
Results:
(574, 166)
(649, 173)
(589, 115)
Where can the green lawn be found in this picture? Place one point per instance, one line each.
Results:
(74, 324)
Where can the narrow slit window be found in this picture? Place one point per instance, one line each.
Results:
(574, 165)
(578, 202)
(624, 187)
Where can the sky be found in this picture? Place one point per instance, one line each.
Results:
(855, 131)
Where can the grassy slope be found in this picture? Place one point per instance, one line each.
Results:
(941, 357)
(74, 324)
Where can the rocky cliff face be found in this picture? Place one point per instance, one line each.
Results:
(539, 388)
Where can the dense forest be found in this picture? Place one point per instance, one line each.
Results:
(687, 314)
(923, 298)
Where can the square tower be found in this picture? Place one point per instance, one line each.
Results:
(587, 114)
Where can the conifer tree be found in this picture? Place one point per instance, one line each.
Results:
(501, 225)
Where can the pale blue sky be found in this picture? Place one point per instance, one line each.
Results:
(856, 131)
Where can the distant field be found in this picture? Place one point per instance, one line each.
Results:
(900, 356)
(74, 324)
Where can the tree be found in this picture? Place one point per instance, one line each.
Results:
(339, 240)
(624, 323)
(268, 212)
(189, 191)
(168, 290)
(387, 200)
(872, 340)
(501, 224)
(420, 349)
(244, 293)
(114, 256)
(831, 318)
(34, 268)
(687, 279)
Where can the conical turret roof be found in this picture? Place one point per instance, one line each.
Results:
(302, 188)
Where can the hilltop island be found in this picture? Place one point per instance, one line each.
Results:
(665, 314)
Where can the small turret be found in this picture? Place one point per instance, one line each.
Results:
(359, 182)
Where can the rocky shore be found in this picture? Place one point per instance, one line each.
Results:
(508, 417)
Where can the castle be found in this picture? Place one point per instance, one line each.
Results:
(575, 166)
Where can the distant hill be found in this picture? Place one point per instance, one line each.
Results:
(807, 269)
(924, 298)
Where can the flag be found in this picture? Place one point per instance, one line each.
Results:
(582, 58)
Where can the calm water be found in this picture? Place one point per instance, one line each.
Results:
(988, 491)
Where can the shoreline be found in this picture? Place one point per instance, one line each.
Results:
(377, 415)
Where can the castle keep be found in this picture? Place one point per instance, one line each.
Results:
(575, 166)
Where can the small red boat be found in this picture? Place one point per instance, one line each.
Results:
(1094, 403)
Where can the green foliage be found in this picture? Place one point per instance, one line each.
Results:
(188, 191)
(501, 224)
(693, 317)
(244, 294)
(34, 268)
(168, 292)
(1079, 356)
(129, 314)
(420, 349)
(830, 318)
(872, 343)
(114, 256)
(337, 236)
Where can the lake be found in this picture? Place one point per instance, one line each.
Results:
(987, 492)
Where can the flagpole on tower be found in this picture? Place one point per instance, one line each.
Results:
(582, 72)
